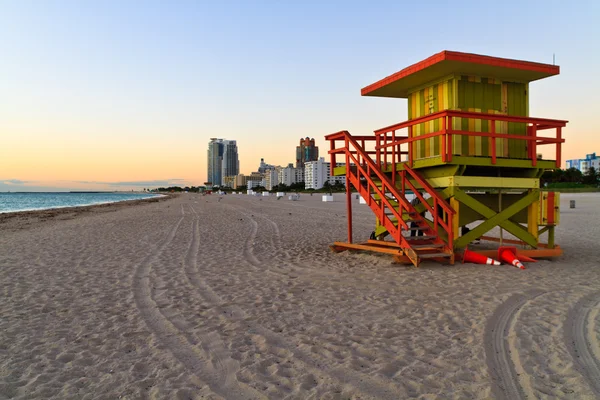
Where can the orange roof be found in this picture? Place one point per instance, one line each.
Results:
(452, 62)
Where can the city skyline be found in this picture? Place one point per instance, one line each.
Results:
(114, 96)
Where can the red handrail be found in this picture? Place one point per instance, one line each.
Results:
(366, 167)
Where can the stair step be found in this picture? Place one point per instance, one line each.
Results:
(434, 255)
(427, 246)
(395, 222)
(411, 238)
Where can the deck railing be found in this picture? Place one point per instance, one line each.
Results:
(390, 144)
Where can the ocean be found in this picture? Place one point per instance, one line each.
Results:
(12, 202)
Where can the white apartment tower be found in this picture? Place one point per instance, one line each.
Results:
(316, 173)
(271, 178)
(290, 175)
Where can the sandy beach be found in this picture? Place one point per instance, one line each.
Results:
(196, 297)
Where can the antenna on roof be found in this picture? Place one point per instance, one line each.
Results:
(553, 59)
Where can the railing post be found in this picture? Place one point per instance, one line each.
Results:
(403, 183)
(449, 157)
(385, 150)
(493, 140)
(378, 149)
(410, 147)
(436, 221)
(443, 140)
(393, 166)
(558, 147)
(533, 145)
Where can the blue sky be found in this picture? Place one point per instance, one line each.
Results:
(128, 91)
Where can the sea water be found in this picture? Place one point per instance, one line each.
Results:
(11, 202)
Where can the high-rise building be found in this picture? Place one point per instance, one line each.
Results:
(307, 151)
(215, 161)
(231, 163)
(222, 160)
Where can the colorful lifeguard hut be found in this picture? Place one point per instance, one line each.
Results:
(468, 152)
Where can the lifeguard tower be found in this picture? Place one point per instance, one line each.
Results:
(468, 152)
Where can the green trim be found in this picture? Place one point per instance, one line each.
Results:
(428, 162)
(484, 162)
(440, 171)
(494, 219)
(484, 182)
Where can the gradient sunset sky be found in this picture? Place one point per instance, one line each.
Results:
(123, 94)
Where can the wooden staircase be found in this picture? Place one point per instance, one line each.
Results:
(385, 190)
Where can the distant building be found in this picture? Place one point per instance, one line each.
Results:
(240, 180)
(263, 167)
(228, 181)
(222, 160)
(231, 162)
(583, 164)
(306, 152)
(316, 173)
(215, 161)
(271, 178)
(253, 184)
(290, 175)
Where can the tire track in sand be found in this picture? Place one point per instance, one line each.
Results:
(249, 255)
(581, 340)
(371, 386)
(196, 360)
(213, 345)
(508, 379)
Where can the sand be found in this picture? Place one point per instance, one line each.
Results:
(240, 298)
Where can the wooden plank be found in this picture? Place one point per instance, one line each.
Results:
(365, 247)
(512, 241)
(386, 243)
(533, 253)
(435, 255)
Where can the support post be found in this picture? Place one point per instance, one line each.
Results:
(532, 218)
(348, 199)
(499, 211)
(456, 219)
(348, 193)
(551, 237)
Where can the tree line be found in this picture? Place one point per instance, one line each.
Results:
(282, 187)
(571, 177)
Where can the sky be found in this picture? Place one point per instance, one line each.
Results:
(122, 95)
